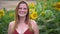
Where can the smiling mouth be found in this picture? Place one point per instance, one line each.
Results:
(22, 12)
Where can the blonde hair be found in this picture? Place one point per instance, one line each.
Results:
(27, 20)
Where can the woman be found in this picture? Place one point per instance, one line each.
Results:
(22, 23)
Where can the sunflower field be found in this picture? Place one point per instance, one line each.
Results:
(45, 12)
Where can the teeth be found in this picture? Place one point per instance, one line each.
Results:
(22, 12)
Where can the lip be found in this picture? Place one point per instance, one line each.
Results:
(21, 12)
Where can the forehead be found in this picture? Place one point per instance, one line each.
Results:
(23, 5)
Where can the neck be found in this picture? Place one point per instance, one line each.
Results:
(22, 19)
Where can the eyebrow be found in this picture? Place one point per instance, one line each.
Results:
(19, 8)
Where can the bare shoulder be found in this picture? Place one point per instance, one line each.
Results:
(33, 22)
(35, 26)
(10, 27)
(11, 23)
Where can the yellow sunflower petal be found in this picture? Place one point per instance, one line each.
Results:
(34, 15)
(32, 4)
(11, 14)
(2, 12)
(42, 13)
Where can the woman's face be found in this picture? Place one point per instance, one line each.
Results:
(22, 10)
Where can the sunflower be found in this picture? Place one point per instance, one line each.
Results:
(11, 14)
(43, 13)
(32, 5)
(31, 10)
(58, 6)
(1, 13)
(34, 15)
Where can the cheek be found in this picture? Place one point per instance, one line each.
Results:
(19, 10)
(26, 11)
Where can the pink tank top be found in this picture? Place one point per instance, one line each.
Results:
(26, 32)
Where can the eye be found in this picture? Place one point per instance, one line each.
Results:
(20, 8)
(25, 8)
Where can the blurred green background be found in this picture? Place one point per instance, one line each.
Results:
(45, 12)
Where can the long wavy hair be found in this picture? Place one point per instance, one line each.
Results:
(27, 19)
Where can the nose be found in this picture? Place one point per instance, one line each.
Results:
(22, 9)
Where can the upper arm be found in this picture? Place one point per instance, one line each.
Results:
(35, 27)
(10, 27)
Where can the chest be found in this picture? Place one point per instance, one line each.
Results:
(22, 28)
